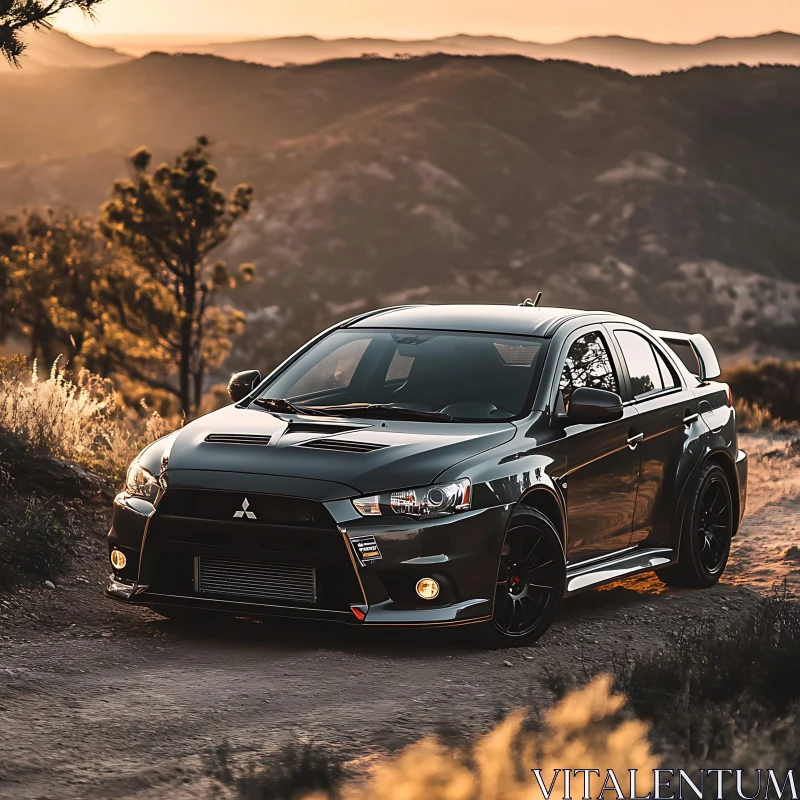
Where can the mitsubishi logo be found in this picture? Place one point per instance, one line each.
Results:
(244, 512)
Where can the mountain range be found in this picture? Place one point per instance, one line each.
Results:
(637, 56)
(444, 178)
(53, 49)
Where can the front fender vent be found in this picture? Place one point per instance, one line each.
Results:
(342, 445)
(238, 438)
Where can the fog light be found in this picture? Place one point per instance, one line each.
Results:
(427, 588)
(118, 560)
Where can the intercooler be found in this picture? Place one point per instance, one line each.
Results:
(291, 583)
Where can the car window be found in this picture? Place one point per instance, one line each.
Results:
(588, 363)
(668, 376)
(687, 355)
(641, 361)
(335, 370)
(470, 376)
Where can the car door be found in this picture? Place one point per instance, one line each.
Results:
(667, 413)
(602, 465)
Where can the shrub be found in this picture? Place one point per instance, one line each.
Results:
(584, 728)
(720, 695)
(724, 694)
(79, 419)
(753, 417)
(771, 385)
(36, 539)
(289, 774)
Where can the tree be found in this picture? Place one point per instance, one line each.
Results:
(16, 15)
(48, 266)
(69, 293)
(169, 221)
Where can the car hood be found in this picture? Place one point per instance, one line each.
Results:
(365, 456)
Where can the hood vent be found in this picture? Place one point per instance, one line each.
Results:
(238, 438)
(342, 445)
(320, 427)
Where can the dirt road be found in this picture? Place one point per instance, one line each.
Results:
(99, 702)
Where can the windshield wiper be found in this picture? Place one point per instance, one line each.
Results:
(282, 406)
(379, 411)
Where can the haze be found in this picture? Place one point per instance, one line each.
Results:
(539, 20)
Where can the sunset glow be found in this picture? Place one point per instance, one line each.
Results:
(679, 20)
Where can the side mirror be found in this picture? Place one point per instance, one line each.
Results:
(589, 406)
(242, 383)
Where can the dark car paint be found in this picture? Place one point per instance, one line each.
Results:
(603, 493)
(419, 449)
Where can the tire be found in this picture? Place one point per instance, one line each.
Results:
(706, 533)
(531, 576)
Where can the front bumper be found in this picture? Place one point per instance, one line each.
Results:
(460, 551)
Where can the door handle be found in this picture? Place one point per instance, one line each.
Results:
(689, 417)
(634, 439)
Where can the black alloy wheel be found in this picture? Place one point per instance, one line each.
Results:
(715, 523)
(530, 582)
(706, 534)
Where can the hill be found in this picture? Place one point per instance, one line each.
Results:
(637, 56)
(52, 49)
(671, 198)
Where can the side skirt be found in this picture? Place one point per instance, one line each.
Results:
(587, 574)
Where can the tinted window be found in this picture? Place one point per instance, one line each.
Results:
(588, 364)
(334, 370)
(466, 375)
(640, 359)
(668, 377)
(686, 354)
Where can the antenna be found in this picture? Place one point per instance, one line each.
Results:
(528, 303)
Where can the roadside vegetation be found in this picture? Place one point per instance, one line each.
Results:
(767, 394)
(80, 419)
(717, 696)
(63, 444)
(588, 726)
(727, 694)
(752, 417)
(37, 538)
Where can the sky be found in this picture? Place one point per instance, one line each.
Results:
(538, 20)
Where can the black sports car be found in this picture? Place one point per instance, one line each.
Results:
(441, 465)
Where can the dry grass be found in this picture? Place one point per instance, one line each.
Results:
(719, 695)
(79, 419)
(769, 391)
(585, 729)
(753, 417)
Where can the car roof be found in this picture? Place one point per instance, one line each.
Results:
(525, 320)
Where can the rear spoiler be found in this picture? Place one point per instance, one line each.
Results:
(707, 364)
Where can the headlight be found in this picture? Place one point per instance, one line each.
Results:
(141, 483)
(442, 498)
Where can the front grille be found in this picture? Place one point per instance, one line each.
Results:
(343, 446)
(288, 533)
(222, 506)
(238, 438)
(294, 583)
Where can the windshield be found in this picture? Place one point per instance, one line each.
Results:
(439, 375)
